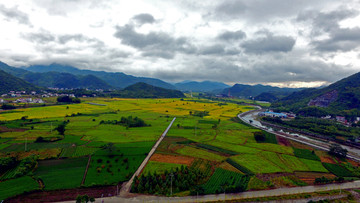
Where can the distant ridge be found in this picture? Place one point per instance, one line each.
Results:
(114, 79)
(56, 79)
(205, 86)
(241, 90)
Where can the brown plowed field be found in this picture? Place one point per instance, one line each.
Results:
(172, 159)
(309, 177)
(283, 141)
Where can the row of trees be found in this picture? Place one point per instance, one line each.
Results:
(180, 179)
(129, 122)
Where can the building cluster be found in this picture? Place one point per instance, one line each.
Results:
(270, 113)
(342, 119)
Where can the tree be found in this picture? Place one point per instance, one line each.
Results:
(61, 128)
(259, 136)
(338, 151)
(8, 106)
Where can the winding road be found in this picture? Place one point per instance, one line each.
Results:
(353, 153)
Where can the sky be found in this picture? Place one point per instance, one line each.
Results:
(297, 43)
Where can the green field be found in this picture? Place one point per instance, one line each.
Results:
(223, 180)
(159, 167)
(17, 186)
(61, 174)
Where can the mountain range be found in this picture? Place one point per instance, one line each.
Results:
(241, 90)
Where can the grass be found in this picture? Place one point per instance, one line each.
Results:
(17, 186)
(61, 174)
(159, 167)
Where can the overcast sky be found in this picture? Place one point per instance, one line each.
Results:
(276, 42)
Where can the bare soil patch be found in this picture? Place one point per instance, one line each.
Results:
(309, 177)
(172, 159)
(283, 141)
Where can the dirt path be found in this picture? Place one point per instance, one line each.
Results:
(86, 170)
(125, 189)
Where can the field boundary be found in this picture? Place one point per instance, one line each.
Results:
(125, 189)
(86, 170)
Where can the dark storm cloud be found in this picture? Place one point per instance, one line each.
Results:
(229, 35)
(160, 42)
(269, 43)
(278, 71)
(211, 50)
(45, 37)
(325, 22)
(144, 18)
(40, 37)
(15, 14)
(230, 8)
(340, 39)
(158, 54)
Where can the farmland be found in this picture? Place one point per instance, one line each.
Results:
(206, 141)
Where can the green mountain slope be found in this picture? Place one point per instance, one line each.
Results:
(339, 96)
(240, 90)
(12, 83)
(143, 90)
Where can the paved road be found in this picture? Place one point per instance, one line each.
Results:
(235, 196)
(125, 189)
(251, 115)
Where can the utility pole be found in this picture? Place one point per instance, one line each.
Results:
(171, 175)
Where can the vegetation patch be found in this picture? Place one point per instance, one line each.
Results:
(17, 186)
(306, 154)
(264, 137)
(199, 153)
(159, 167)
(338, 170)
(216, 149)
(239, 167)
(170, 182)
(226, 181)
(61, 174)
